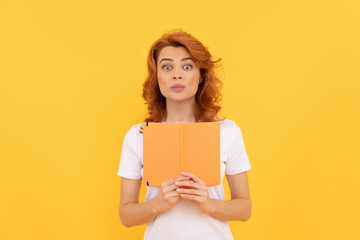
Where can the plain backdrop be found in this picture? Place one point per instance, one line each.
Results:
(71, 75)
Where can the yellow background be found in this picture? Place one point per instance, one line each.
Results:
(71, 75)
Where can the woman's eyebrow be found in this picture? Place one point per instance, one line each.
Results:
(169, 59)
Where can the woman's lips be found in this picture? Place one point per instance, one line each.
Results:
(178, 88)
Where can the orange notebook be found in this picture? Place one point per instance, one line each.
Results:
(170, 148)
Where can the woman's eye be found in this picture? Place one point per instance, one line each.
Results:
(187, 67)
(166, 67)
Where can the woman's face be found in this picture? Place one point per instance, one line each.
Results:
(177, 74)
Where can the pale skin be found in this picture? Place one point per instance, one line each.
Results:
(174, 66)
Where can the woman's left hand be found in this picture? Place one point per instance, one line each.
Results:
(196, 190)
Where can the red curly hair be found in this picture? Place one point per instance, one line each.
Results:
(208, 95)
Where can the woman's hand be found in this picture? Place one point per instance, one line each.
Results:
(196, 190)
(168, 196)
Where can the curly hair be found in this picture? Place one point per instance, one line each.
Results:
(208, 95)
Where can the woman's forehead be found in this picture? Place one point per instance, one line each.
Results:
(170, 51)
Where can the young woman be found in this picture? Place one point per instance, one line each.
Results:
(181, 87)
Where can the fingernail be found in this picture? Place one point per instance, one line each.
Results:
(177, 183)
(178, 189)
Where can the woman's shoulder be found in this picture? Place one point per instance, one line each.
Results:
(136, 126)
(134, 131)
(225, 123)
(229, 128)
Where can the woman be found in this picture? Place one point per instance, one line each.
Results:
(181, 87)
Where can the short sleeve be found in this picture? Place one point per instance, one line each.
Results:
(130, 162)
(238, 160)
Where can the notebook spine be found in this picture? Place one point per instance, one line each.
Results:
(181, 148)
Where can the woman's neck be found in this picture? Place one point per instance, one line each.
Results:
(180, 112)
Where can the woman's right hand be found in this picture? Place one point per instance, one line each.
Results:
(168, 196)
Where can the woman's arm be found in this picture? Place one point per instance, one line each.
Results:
(133, 213)
(238, 208)
(130, 211)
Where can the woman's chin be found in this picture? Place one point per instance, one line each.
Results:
(179, 99)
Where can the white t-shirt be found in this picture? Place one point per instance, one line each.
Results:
(184, 220)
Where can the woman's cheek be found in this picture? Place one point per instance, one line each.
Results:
(161, 82)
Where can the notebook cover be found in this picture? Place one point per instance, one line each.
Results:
(169, 148)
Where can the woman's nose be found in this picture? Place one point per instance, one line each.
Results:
(177, 75)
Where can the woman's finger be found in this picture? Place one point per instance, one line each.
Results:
(190, 184)
(193, 176)
(173, 194)
(192, 197)
(170, 188)
(170, 184)
(173, 180)
(191, 191)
